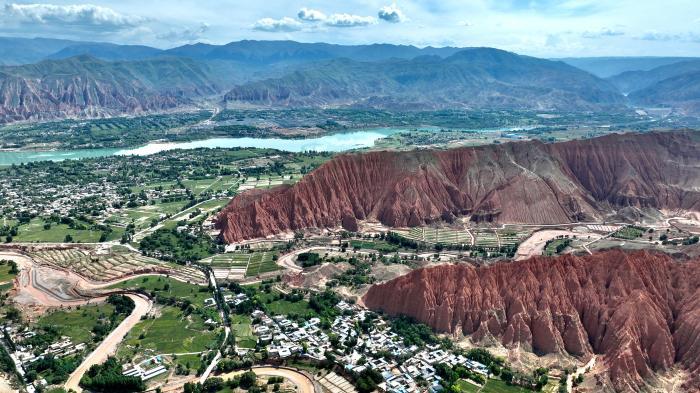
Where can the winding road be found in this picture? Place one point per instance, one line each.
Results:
(108, 346)
(302, 382)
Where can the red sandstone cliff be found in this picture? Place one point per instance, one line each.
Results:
(527, 182)
(640, 310)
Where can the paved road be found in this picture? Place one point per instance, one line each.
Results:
(109, 345)
(303, 383)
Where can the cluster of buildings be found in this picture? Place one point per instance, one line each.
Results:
(357, 350)
(230, 299)
(24, 355)
(43, 199)
(147, 369)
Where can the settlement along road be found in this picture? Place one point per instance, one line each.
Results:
(108, 346)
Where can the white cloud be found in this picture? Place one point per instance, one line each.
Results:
(187, 35)
(74, 15)
(349, 20)
(604, 32)
(392, 14)
(654, 35)
(309, 15)
(285, 24)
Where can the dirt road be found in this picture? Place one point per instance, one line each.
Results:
(534, 245)
(302, 382)
(579, 371)
(287, 260)
(109, 345)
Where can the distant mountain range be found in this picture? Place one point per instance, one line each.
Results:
(85, 86)
(471, 78)
(605, 67)
(48, 78)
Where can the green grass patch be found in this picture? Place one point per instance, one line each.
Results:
(463, 386)
(192, 362)
(5, 287)
(629, 232)
(378, 245)
(5, 274)
(498, 386)
(553, 246)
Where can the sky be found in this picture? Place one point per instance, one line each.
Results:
(544, 28)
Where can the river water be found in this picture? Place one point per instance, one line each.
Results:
(335, 143)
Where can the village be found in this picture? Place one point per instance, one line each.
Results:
(403, 368)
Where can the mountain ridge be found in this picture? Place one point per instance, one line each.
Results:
(86, 86)
(472, 78)
(638, 310)
(518, 182)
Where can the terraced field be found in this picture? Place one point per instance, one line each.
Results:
(230, 266)
(438, 235)
(511, 237)
(261, 262)
(237, 266)
(112, 265)
(267, 182)
(486, 238)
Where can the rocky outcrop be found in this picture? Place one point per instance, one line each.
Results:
(640, 310)
(523, 182)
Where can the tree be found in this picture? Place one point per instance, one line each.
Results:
(248, 379)
(107, 377)
(213, 385)
(68, 238)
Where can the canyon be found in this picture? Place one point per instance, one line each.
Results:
(639, 310)
(521, 182)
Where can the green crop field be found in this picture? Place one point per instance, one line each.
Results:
(77, 323)
(437, 235)
(171, 332)
(261, 262)
(491, 386)
(194, 293)
(34, 232)
(283, 307)
(486, 238)
(230, 260)
(243, 331)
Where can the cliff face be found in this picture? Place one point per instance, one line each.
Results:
(527, 182)
(641, 311)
